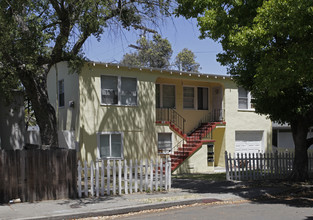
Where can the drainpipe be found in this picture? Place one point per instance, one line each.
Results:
(57, 94)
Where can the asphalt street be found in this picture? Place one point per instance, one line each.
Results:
(248, 210)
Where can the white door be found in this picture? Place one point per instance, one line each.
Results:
(249, 142)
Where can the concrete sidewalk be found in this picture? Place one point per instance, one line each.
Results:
(183, 192)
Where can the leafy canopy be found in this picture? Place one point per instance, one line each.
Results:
(37, 34)
(267, 48)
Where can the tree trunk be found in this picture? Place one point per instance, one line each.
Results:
(36, 89)
(299, 130)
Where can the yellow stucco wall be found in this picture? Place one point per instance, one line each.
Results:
(219, 145)
(137, 123)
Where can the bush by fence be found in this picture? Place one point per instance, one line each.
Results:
(33, 175)
(261, 165)
(122, 177)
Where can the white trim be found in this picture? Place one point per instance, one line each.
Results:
(109, 133)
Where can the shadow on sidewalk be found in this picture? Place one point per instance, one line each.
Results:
(82, 202)
(266, 192)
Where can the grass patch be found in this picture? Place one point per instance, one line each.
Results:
(209, 177)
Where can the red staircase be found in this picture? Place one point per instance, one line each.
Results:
(193, 142)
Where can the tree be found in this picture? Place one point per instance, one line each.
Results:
(267, 48)
(35, 35)
(154, 53)
(185, 61)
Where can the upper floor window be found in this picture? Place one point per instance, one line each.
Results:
(203, 97)
(189, 97)
(195, 96)
(244, 99)
(116, 90)
(165, 96)
(110, 145)
(61, 93)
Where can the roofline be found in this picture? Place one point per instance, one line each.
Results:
(159, 69)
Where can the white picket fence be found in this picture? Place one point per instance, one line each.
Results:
(113, 177)
(261, 165)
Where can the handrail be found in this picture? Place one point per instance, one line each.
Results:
(217, 115)
(172, 116)
(180, 143)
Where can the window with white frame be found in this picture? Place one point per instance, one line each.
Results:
(61, 93)
(165, 141)
(244, 99)
(110, 145)
(116, 90)
(128, 91)
(189, 97)
(165, 96)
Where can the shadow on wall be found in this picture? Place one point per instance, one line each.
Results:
(136, 122)
(12, 122)
(66, 139)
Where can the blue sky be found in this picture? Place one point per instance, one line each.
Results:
(180, 32)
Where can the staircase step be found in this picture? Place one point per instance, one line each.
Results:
(193, 142)
(186, 149)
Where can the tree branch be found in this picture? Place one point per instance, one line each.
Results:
(86, 33)
(144, 28)
(62, 38)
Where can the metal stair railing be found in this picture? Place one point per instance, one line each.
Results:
(217, 115)
(172, 116)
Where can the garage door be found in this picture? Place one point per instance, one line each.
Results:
(249, 141)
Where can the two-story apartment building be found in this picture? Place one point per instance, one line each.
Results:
(141, 113)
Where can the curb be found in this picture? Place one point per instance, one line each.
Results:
(120, 211)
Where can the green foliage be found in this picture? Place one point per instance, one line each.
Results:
(37, 34)
(154, 53)
(267, 48)
(185, 61)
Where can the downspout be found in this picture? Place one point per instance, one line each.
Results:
(57, 94)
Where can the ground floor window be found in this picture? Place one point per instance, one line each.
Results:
(110, 145)
(165, 141)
